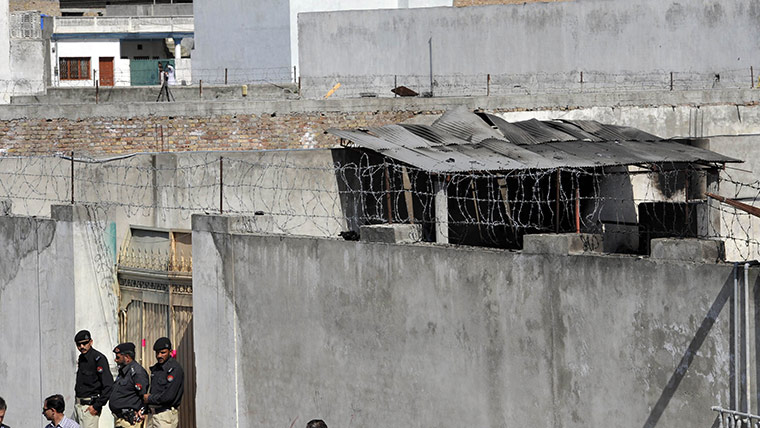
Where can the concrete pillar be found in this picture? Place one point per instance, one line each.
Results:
(441, 211)
(177, 57)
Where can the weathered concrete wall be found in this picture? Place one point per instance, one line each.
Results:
(5, 53)
(251, 39)
(542, 46)
(365, 334)
(37, 298)
(28, 65)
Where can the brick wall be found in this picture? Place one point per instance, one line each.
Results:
(463, 3)
(106, 136)
(48, 7)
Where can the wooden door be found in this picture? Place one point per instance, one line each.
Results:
(106, 71)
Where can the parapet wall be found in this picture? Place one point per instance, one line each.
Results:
(367, 334)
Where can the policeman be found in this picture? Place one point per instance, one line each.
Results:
(94, 382)
(130, 386)
(166, 387)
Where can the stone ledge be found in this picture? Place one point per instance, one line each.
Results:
(566, 243)
(693, 250)
(391, 233)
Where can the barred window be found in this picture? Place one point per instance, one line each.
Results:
(74, 68)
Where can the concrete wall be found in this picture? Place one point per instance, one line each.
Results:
(37, 295)
(295, 192)
(5, 52)
(363, 334)
(538, 46)
(303, 6)
(251, 39)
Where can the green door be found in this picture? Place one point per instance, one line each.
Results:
(144, 72)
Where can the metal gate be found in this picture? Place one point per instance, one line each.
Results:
(155, 283)
(144, 72)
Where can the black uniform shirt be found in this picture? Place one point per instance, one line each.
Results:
(166, 384)
(94, 378)
(129, 387)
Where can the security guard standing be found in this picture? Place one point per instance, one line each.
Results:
(94, 382)
(167, 381)
(130, 386)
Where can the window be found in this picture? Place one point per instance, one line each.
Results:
(74, 68)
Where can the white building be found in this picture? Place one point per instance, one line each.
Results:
(118, 51)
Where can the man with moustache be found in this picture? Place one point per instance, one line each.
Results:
(166, 387)
(130, 385)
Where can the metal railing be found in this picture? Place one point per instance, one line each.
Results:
(131, 24)
(734, 419)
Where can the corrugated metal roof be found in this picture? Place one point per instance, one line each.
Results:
(460, 140)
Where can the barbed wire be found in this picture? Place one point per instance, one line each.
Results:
(324, 193)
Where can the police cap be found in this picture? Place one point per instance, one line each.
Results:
(127, 348)
(162, 343)
(82, 336)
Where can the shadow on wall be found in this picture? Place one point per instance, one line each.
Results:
(696, 343)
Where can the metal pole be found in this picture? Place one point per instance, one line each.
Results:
(488, 85)
(225, 76)
(395, 85)
(556, 204)
(200, 88)
(671, 80)
(388, 195)
(577, 210)
(737, 351)
(581, 78)
(221, 185)
(430, 48)
(72, 177)
(294, 74)
(751, 77)
(746, 337)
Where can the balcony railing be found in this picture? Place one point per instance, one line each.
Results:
(122, 24)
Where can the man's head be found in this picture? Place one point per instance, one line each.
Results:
(3, 408)
(316, 423)
(125, 353)
(54, 407)
(163, 348)
(83, 340)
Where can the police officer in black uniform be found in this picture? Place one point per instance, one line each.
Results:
(166, 387)
(130, 386)
(94, 382)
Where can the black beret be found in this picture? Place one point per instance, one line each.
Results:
(127, 348)
(162, 343)
(82, 336)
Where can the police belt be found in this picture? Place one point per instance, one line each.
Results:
(86, 401)
(158, 409)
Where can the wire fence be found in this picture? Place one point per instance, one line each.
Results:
(324, 193)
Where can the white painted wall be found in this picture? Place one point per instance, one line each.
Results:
(299, 6)
(94, 49)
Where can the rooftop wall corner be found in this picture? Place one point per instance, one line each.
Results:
(689, 249)
(565, 243)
